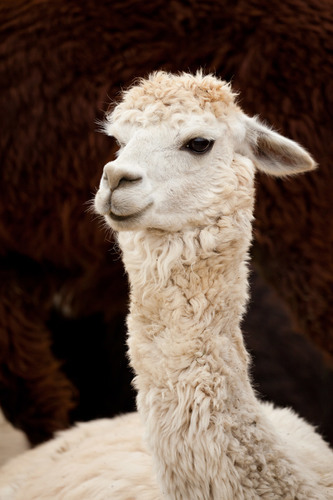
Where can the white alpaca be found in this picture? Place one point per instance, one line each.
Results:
(181, 195)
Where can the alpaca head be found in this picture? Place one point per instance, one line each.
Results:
(187, 155)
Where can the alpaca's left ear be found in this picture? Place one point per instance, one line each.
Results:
(274, 154)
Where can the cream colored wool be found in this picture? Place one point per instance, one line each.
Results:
(12, 441)
(184, 223)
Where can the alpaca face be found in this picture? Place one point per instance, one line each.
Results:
(186, 155)
(172, 177)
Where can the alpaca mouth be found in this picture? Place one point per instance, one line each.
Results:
(121, 218)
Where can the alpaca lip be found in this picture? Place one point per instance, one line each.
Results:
(120, 218)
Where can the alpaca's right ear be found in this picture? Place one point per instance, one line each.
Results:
(274, 154)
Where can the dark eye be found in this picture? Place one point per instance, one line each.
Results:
(199, 145)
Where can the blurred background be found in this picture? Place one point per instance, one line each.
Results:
(63, 291)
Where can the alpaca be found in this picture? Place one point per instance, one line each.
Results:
(61, 61)
(12, 441)
(180, 195)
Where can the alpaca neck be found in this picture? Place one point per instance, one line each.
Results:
(188, 294)
(187, 302)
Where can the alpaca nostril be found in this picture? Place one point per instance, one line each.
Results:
(127, 180)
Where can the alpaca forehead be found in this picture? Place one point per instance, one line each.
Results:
(169, 133)
(166, 97)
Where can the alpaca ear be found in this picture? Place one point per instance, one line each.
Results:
(274, 154)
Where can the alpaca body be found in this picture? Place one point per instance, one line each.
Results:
(12, 441)
(79, 465)
(181, 196)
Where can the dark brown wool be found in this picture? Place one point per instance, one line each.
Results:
(63, 295)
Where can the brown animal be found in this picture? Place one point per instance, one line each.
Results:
(63, 295)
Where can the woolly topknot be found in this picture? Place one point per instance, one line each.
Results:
(164, 94)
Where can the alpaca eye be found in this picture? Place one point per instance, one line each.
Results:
(199, 145)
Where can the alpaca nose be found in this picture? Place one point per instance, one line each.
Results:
(119, 176)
